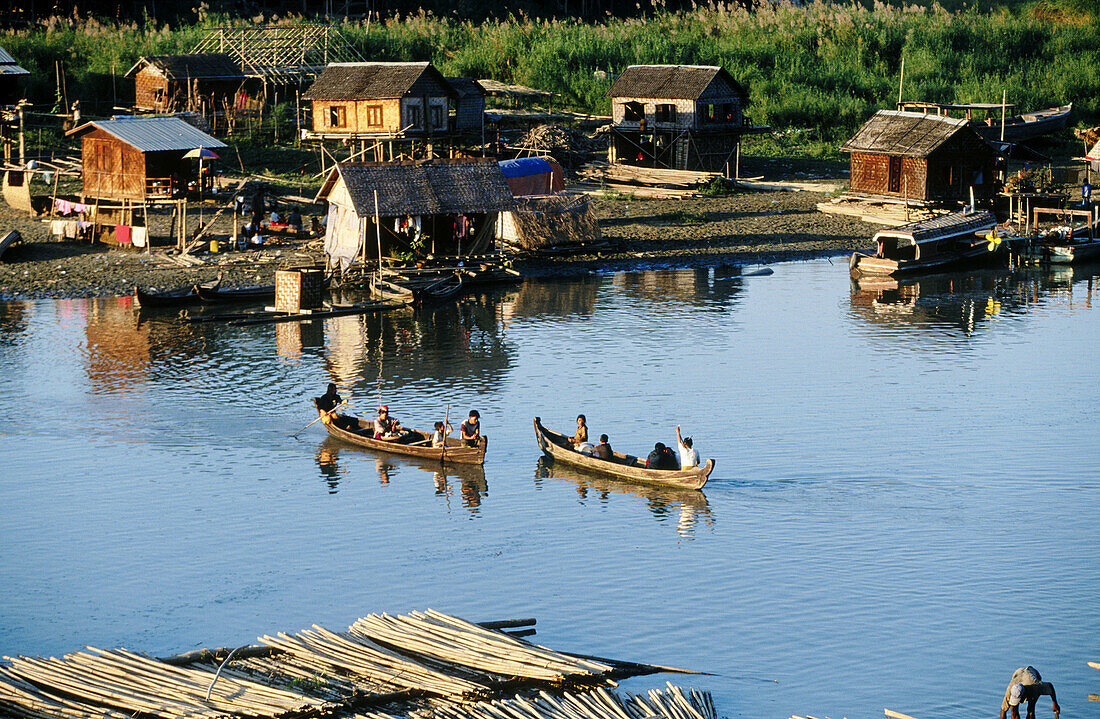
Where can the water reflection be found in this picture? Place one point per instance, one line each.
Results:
(685, 507)
(969, 301)
(468, 479)
(13, 322)
(715, 287)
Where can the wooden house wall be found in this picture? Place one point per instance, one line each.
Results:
(146, 84)
(174, 92)
(111, 168)
(947, 174)
(870, 174)
(470, 113)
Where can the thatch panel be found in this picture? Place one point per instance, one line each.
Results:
(544, 222)
(689, 82)
(376, 80)
(910, 134)
(427, 187)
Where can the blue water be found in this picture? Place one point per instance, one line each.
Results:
(904, 507)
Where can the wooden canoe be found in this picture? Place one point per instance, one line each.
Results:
(390, 291)
(260, 293)
(9, 240)
(443, 290)
(558, 448)
(413, 443)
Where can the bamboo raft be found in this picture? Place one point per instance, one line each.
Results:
(416, 665)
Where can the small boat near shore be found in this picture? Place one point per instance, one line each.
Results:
(152, 298)
(443, 290)
(218, 294)
(940, 243)
(387, 291)
(413, 443)
(988, 124)
(1068, 243)
(624, 466)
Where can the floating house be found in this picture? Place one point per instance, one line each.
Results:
(446, 207)
(919, 157)
(139, 158)
(683, 117)
(11, 79)
(200, 82)
(392, 101)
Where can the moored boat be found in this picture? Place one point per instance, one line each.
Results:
(381, 289)
(623, 466)
(989, 123)
(413, 443)
(443, 290)
(1068, 243)
(261, 293)
(940, 243)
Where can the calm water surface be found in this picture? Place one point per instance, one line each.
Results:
(904, 507)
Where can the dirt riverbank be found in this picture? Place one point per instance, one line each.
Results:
(748, 228)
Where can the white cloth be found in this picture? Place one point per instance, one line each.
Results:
(688, 456)
(586, 449)
(139, 236)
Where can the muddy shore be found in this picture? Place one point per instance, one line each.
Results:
(746, 228)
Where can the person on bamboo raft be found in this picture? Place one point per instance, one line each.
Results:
(385, 426)
(581, 437)
(328, 402)
(471, 429)
(1027, 686)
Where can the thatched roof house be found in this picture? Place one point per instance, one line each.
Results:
(11, 75)
(171, 83)
(444, 206)
(688, 117)
(922, 157)
(380, 100)
(139, 157)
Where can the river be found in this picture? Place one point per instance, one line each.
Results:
(904, 507)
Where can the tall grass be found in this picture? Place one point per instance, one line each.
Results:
(821, 68)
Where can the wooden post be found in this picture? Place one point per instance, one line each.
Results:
(22, 155)
(905, 184)
(737, 161)
(901, 82)
(1004, 100)
(378, 232)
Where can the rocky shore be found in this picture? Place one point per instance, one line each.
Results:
(745, 228)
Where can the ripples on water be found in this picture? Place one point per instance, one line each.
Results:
(903, 508)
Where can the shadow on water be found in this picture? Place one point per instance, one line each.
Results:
(687, 507)
(968, 301)
(469, 479)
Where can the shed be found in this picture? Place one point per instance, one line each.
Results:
(469, 105)
(925, 158)
(380, 100)
(532, 176)
(685, 117)
(438, 206)
(11, 78)
(139, 157)
(200, 82)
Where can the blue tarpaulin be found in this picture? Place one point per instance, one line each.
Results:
(524, 166)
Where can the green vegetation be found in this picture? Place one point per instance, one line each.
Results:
(814, 73)
(682, 217)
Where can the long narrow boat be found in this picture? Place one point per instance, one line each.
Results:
(1069, 243)
(443, 290)
(385, 290)
(413, 443)
(1027, 126)
(940, 243)
(167, 298)
(624, 466)
(260, 293)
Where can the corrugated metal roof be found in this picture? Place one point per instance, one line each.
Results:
(9, 69)
(671, 82)
(905, 134)
(154, 134)
(6, 58)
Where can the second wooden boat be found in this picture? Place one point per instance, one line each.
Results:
(261, 293)
(387, 291)
(413, 443)
(940, 243)
(443, 290)
(1076, 239)
(624, 466)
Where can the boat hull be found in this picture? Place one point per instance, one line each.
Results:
(861, 265)
(1064, 254)
(236, 294)
(625, 466)
(1027, 126)
(455, 452)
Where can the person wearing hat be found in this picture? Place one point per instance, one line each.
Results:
(471, 429)
(1027, 685)
(385, 426)
(689, 457)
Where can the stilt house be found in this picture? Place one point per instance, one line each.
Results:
(137, 158)
(11, 78)
(390, 100)
(444, 207)
(924, 158)
(201, 82)
(683, 117)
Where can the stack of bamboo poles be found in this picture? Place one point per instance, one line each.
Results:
(360, 656)
(596, 704)
(451, 640)
(133, 683)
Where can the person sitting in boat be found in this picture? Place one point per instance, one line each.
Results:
(442, 430)
(689, 456)
(661, 458)
(471, 429)
(328, 402)
(603, 449)
(385, 426)
(581, 437)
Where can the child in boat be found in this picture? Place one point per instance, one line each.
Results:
(581, 437)
(442, 430)
(471, 429)
(385, 426)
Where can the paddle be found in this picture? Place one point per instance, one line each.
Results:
(319, 418)
(446, 419)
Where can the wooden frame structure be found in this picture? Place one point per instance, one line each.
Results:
(280, 54)
(199, 82)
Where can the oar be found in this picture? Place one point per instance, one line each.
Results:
(446, 419)
(319, 418)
